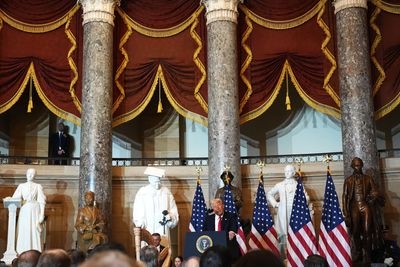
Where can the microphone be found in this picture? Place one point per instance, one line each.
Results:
(165, 212)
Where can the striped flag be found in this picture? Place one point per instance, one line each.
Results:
(334, 242)
(263, 234)
(199, 210)
(231, 208)
(301, 237)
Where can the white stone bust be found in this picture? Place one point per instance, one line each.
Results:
(281, 196)
(150, 202)
(31, 214)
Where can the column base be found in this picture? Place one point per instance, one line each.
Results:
(8, 256)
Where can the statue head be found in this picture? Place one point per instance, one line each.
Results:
(154, 176)
(290, 171)
(89, 198)
(226, 175)
(357, 165)
(30, 174)
(218, 206)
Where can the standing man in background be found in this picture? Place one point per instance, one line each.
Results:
(60, 145)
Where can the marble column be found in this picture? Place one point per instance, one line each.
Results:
(358, 126)
(223, 102)
(95, 171)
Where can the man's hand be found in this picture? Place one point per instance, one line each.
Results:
(231, 235)
(388, 261)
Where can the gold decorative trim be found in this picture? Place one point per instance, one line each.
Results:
(38, 28)
(389, 107)
(181, 110)
(139, 109)
(246, 64)
(261, 109)
(375, 43)
(327, 54)
(53, 108)
(284, 24)
(390, 8)
(199, 65)
(315, 105)
(1, 24)
(7, 105)
(160, 32)
(122, 67)
(72, 65)
(311, 102)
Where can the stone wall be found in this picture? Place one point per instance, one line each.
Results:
(60, 184)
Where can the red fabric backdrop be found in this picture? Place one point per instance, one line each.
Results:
(165, 41)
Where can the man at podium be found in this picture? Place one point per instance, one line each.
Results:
(220, 220)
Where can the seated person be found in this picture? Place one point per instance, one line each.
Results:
(90, 224)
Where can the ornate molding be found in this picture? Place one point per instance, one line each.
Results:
(343, 4)
(217, 10)
(98, 10)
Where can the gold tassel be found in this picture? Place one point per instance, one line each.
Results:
(30, 102)
(160, 107)
(287, 102)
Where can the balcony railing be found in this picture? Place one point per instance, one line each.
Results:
(201, 161)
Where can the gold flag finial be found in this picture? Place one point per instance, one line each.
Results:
(199, 170)
(226, 170)
(327, 160)
(261, 165)
(299, 162)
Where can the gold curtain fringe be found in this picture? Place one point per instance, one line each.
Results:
(287, 101)
(38, 28)
(134, 113)
(199, 65)
(122, 67)
(246, 64)
(390, 8)
(375, 43)
(72, 65)
(309, 101)
(160, 33)
(327, 53)
(30, 102)
(159, 107)
(284, 24)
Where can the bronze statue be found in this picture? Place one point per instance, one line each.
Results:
(90, 224)
(360, 200)
(227, 177)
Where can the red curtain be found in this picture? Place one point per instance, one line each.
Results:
(160, 45)
(38, 42)
(293, 41)
(163, 43)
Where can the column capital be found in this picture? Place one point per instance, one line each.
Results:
(98, 10)
(217, 10)
(343, 4)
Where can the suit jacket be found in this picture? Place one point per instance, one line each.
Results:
(58, 141)
(229, 223)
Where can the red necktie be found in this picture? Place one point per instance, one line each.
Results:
(219, 223)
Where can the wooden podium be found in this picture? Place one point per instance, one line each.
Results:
(11, 204)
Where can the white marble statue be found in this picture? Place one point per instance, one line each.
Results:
(284, 192)
(150, 203)
(31, 214)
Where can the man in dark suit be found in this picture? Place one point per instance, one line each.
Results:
(220, 220)
(60, 145)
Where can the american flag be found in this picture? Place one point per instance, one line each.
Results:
(199, 210)
(301, 237)
(334, 242)
(263, 233)
(231, 208)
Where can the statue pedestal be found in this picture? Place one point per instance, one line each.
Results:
(11, 204)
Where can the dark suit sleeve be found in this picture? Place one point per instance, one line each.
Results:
(232, 223)
(207, 223)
